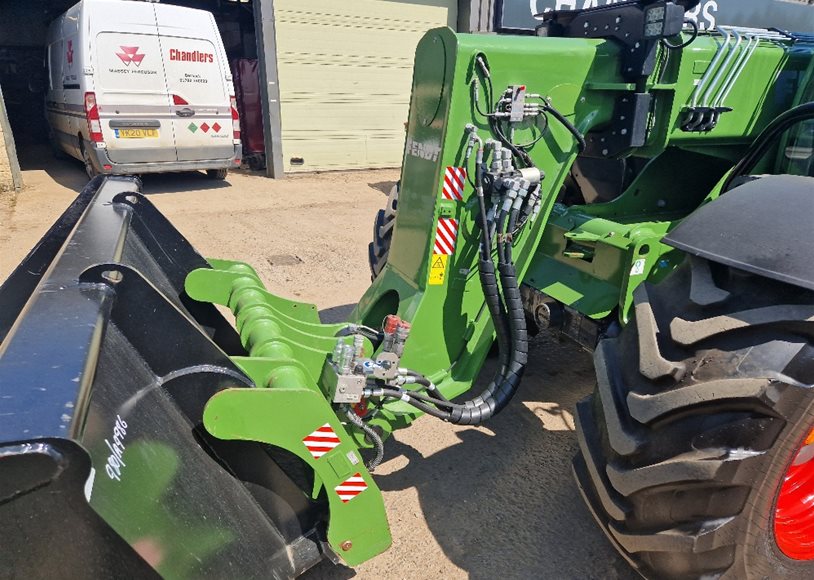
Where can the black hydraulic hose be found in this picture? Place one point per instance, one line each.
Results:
(502, 388)
(497, 311)
(432, 391)
(417, 401)
(510, 328)
(405, 394)
(517, 152)
(513, 220)
(580, 138)
(371, 435)
(488, 279)
(517, 326)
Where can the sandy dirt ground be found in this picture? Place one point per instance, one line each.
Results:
(491, 502)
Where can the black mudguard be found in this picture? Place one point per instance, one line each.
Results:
(763, 227)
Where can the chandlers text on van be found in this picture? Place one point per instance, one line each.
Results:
(191, 55)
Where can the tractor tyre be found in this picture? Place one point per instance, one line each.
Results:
(379, 248)
(697, 445)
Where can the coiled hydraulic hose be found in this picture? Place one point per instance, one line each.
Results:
(507, 379)
(510, 326)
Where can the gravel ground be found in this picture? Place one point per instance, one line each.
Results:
(491, 502)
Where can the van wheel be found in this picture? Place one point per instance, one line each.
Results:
(697, 447)
(217, 174)
(89, 167)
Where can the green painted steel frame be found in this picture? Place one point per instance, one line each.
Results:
(451, 329)
(585, 256)
(287, 347)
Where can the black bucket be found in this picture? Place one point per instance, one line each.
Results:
(105, 368)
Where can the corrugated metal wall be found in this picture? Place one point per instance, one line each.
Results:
(345, 70)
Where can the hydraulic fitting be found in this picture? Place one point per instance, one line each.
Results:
(402, 333)
(391, 322)
(532, 174)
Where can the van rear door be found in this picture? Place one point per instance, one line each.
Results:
(195, 65)
(130, 86)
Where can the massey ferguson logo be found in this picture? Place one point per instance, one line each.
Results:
(130, 54)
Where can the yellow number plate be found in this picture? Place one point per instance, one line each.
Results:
(136, 133)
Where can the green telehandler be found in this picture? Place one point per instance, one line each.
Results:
(620, 178)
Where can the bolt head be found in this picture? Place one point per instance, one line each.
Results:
(346, 545)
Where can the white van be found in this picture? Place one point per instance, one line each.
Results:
(141, 87)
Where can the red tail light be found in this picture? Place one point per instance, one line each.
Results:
(235, 119)
(176, 100)
(92, 114)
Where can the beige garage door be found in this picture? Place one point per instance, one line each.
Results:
(345, 71)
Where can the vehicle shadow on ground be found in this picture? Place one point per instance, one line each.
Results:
(70, 173)
(502, 502)
(160, 183)
(66, 171)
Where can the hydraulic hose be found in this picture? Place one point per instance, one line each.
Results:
(417, 400)
(579, 137)
(432, 390)
(507, 380)
(371, 435)
(510, 327)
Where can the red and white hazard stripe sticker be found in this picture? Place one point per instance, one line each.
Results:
(321, 441)
(454, 183)
(445, 236)
(350, 488)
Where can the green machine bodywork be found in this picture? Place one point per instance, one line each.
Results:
(585, 257)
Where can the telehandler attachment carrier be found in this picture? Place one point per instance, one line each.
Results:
(623, 179)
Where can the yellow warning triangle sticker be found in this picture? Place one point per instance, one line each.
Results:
(438, 266)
